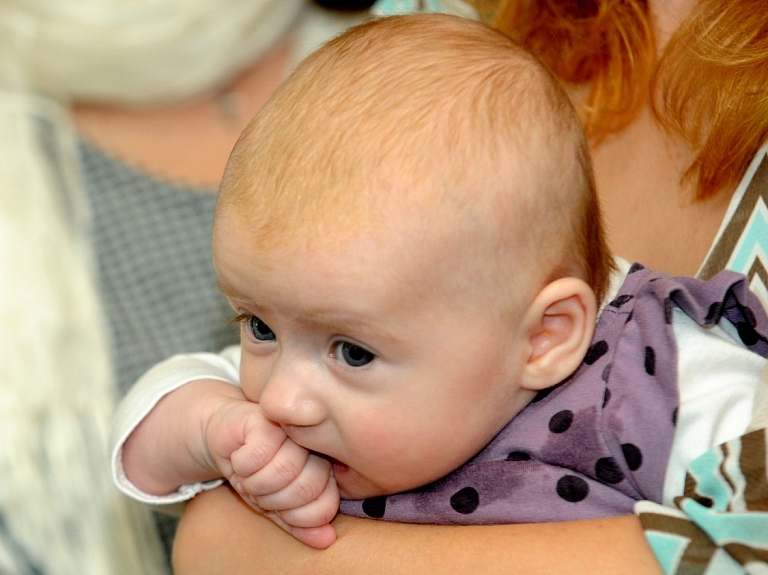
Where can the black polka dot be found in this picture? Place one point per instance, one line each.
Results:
(572, 488)
(375, 507)
(713, 315)
(747, 333)
(595, 352)
(674, 417)
(606, 372)
(518, 456)
(636, 267)
(621, 300)
(608, 471)
(542, 394)
(606, 396)
(465, 501)
(749, 315)
(632, 455)
(650, 361)
(630, 316)
(561, 421)
(668, 305)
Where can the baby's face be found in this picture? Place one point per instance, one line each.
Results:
(357, 352)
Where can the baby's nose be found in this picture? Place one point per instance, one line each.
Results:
(289, 397)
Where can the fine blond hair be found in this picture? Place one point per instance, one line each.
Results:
(429, 102)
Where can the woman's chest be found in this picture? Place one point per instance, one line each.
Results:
(649, 210)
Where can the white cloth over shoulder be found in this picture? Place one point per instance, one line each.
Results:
(718, 381)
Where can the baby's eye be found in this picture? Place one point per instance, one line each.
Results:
(259, 329)
(353, 355)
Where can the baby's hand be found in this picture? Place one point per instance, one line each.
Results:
(274, 475)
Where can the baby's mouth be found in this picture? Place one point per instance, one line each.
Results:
(338, 466)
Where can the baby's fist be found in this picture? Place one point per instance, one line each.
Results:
(239, 426)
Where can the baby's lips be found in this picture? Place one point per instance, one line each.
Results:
(338, 466)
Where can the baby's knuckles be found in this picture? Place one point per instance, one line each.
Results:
(317, 512)
(240, 439)
(306, 488)
(309, 485)
(258, 452)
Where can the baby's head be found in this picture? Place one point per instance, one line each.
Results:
(410, 233)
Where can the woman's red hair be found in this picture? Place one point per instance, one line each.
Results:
(710, 85)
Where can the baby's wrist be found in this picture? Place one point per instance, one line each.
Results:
(211, 399)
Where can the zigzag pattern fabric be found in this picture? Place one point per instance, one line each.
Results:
(721, 524)
(742, 243)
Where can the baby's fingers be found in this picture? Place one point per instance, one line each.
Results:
(317, 512)
(309, 484)
(318, 537)
(285, 466)
(240, 427)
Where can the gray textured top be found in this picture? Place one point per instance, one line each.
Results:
(152, 243)
(152, 240)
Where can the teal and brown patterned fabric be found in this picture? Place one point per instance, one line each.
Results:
(720, 526)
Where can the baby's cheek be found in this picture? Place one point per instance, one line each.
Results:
(377, 434)
(251, 379)
(396, 462)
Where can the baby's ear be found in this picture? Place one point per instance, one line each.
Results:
(561, 322)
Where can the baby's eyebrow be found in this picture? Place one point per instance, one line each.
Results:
(350, 326)
(234, 296)
(224, 288)
(328, 321)
(228, 290)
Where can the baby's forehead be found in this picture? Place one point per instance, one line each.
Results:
(350, 210)
(389, 206)
(419, 238)
(438, 266)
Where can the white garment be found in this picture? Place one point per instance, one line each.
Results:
(159, 381)
(716, 398)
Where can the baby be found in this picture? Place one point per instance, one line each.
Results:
(409, 235)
